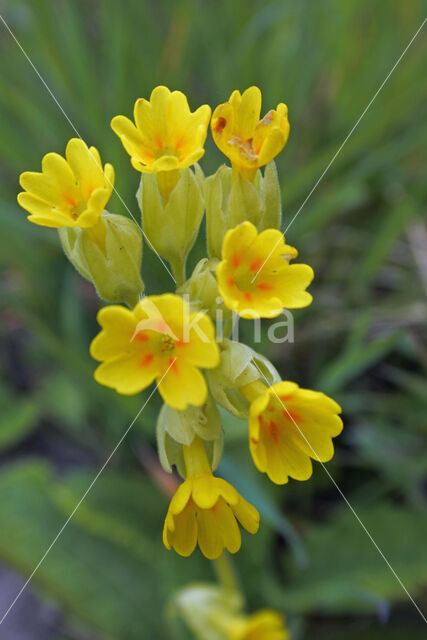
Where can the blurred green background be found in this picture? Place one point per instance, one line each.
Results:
(363, 340)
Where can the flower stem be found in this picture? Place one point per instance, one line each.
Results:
(226, 574)
(178, 269)
(196, 459)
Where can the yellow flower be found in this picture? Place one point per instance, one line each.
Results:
(262, 625)
(159, 340)
(205, 509)
(246, 140)
(255, 278)
(70, 191)
(288, 426)
(166, 135)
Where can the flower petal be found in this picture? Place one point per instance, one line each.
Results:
(118, 326)
(184, 536)
(247, 111)
(201, 349)
(127, 374)
(247, 515)
(210, 542)
(86, 166)
(182, 385)
(129, 135)
(181, 498)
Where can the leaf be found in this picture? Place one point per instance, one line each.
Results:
(100, 583)
(114, 509)
(18, 418)
(346, 572)
(353, 362)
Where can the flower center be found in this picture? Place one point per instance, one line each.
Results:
(75, 206)
(246, 279)
(167, 344)
(245, 147)
(161, 151)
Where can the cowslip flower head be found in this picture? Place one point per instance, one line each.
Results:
(255, 278)
(205, 510)
(248, 141)
(158, 340)
(288, 426)
(70, 191)
(166, 135)
(262, 625)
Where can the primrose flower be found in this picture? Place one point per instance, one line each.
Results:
(255, 278)
(70, 191)
(246, 140)
(205, 510)
(159, 340)
(166, 135)
(262, 625)
(288, 426)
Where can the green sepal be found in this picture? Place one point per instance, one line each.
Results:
(171, 229)
(233, 199)
(177, 428)
(113, 266)
(239, 366)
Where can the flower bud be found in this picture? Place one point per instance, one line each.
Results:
(240, 365)
(208, 610)
(231, 200)
(202, 290)
(108, 255)
(177, 428)
(171, 227)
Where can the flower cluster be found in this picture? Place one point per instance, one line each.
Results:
(180, 339)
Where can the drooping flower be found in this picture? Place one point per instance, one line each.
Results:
(166, 135)
(70, 191)
(262, 625)
(205, 510)
(288, 426)
(248, 141)
(255, 278)
(159, 340)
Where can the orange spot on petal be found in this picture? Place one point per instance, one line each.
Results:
(235, 260)
(254, 441)
(231, 282)
(273, 429)
(173, 365)
(147, 359)
(291, 416)
(220, 125)
(256, 264)
(247, 297)
(141, 337)
(264, 286)
(71, 201)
